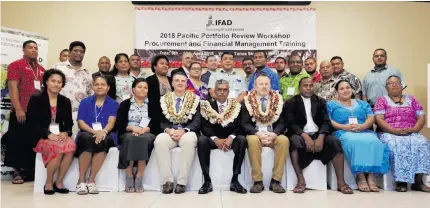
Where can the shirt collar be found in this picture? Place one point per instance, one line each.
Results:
(223, 104)
(133, 100)
(267, 97)
(231, 73)
(378, 69)
(304, 98)
(70, 65)
(329, 80)
(176, 97)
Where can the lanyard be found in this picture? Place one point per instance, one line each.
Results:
(36, 75)
(95, 111)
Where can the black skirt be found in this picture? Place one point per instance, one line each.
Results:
(85, 142)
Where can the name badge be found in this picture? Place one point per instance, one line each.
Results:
(54, 128)
(125, 97)
(97, 126)
(291, 91)
(352, 120)
(37, 84)
(264, 128)
(144, 122)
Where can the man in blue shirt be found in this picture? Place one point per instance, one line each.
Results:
(260, 61)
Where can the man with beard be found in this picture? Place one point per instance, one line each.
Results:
(309, 133)
(374, 81)
(280, 65)
(325, 87)
(260, 61)
(187, 59)
(24, 78)
(290, 83)
(135, 70)
(340, 73)
(311, 69)
(104, 70)
(249, 68)
(211, 65)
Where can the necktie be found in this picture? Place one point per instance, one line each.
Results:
(221, 108)
(263, 104)
(178, 104)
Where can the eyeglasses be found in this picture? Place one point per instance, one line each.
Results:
(393, 83)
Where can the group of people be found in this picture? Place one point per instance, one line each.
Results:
(68, 112)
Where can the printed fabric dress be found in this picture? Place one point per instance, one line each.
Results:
(363, 150)
(409, 155)
(202, 92)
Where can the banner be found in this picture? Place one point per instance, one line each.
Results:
(11, 50)
(280, 32)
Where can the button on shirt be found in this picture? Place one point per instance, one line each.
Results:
(326, 89)
(237, 83)
(310, 126)
(274, 80)
(137, 113)
(375, 81)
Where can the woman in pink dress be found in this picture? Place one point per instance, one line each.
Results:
(49, 117)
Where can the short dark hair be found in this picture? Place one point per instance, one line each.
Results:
(195, 62)
(51, 72)
(248, 59)
(309, 58)
(179, 73)
(134, 55)
(75, 44)
(300, 82)
(207, 57)
(289, 59)
(260, 51)
(155, 60)
(137, 81)
(64, 50)
(285, 61)
(380, 49)
(227, 53)
(28, 42)
(117, 58)
(337, 57)
(336, 87)
(101, 76)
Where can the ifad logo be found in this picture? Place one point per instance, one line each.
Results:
(218, 22)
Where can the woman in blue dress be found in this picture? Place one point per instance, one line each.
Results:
(365, 153)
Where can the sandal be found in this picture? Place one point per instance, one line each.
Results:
(299, 189)
(138, 184)
(401, 187)
(420, 187)
(373, 187)
(81, 189)
(92, 188)
(129, 184)
(344, 189)
(17, 178)
(363, 186)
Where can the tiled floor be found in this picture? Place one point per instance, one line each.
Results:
(22, 196)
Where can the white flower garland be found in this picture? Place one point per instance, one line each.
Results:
(187, 110)
(228, 116)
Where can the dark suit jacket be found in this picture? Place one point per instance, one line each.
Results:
(209, 129)
(193, 124)
(122, 119)
(296, 114)
(112, 84)
(174, 71)
(39, 115)
(249, 127)
(154, 105)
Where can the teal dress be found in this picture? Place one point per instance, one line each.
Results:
(363, 150)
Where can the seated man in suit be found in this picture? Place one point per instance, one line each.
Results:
(180, 123)
(221, 130)
(309, 133)
(264, 125)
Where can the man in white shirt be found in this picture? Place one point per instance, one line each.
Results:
(187, 59)
(135, 70)
(309, 134)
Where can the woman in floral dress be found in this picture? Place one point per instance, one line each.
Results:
(123, 79)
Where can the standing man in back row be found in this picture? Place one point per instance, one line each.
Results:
(375, 80)
(211, 65)
(260, 61)
(187, 59)
(339, 73)
(135, 70)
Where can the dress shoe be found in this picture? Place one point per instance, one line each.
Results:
(276, 187)
(206, 188)
(168, 188)
(179, 189)
(258, 187)
(236, 187)
(48, 192)
(61, 190)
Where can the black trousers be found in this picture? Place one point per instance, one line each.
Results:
(206, 144)
(331, 147)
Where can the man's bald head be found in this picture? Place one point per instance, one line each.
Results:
(325, 69)
(104, 64)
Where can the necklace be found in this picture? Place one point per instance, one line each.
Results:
(399, 102)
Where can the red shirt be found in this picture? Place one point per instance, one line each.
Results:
(316, 77)
(21, 71)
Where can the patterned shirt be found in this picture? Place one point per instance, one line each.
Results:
(352, 79)
(237, 83)
(78, 83)
(316, 77)
(375, 80)
(140, 75)
(274, 79)
(123, 87)
(136, 113)
(326, 89)
(290, 82)
(21, 71)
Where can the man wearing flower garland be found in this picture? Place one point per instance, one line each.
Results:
(180, 123)
(264, 125)
(309, 133)
(221, 130)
